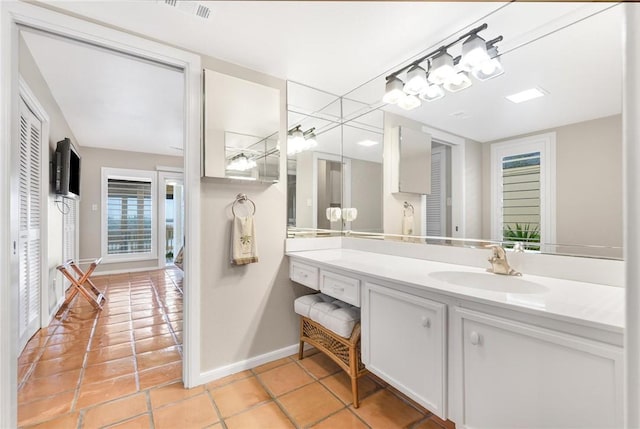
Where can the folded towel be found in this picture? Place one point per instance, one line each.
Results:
(407, 224)
(244, 249)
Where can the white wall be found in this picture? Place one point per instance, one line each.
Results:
(366, 195)
(246, 311)
(93, 159)
(59, 129)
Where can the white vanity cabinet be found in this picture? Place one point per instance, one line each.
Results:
(403, 342)
(508, 374)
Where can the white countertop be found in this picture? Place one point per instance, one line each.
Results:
(587, 304)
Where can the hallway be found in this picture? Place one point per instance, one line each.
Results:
(88, 357)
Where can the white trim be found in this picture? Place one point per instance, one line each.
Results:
(546, 145)
(169, 169)
(163, 176)
(38, 110)
(13, 14)
(127, 174)
(443, 136)
(223, 371)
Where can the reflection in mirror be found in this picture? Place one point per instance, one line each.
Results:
(242, 120)
(569, 140)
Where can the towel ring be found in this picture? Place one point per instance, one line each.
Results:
(408, 205)
(241, 199)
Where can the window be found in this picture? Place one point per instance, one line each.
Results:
(128, 215)
(523, 191)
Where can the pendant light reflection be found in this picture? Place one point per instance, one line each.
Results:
(240, 162)
(393, 91)
(299, 141)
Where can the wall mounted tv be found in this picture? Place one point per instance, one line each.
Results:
(67, 170)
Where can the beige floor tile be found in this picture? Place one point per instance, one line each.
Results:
(23, 372)
(172, 393)
(30, 355)
(264, 416)
(236, 397)
(271, 365)
(111, 339)
(67, 421)
(285, 378)
(320, 365)
(151, 331)
(154, 343)
(115, 411)
(110, 369)
(156, 358)
(71, 348)
(160, 375)
(429, 423)
(109, 353)
(344, 419)
(310, 404)
(340, 385)
(385, 410)
(229, 379)
(46, 368)
(195, 412)
(110, 320)
(112, 328)
(38, 388)
(44, 409)
(140, 422)
(96, 393)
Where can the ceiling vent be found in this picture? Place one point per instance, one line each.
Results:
(189, 7)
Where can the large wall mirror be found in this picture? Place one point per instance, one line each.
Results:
(545, 172)
(241, 123)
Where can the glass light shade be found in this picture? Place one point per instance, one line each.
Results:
(441, 68)
(241, 163)
(458, 82)
(409, 102)
(474, 52)
(490, 68)
(432, 93)
(296, 142)
(310, 142)
(393, 91)
(416, 80)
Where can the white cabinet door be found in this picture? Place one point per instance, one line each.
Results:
(508, 374)
(403, 342)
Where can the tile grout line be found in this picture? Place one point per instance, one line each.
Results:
(136, 376)
(166, 318)
(216, 408)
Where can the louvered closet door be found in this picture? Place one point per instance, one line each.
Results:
(30, 215)
(436, 208)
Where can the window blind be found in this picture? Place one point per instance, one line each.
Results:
(521, 199)
(129, 216)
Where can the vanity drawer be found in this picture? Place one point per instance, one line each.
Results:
(304, 274)
(344, 288)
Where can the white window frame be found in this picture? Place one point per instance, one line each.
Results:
(126, 174)
(546, 145)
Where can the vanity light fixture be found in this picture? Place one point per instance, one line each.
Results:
(526, 95)
(428, 76)
(300, 141)
(240, 162)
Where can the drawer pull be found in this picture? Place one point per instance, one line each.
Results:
(337, 289)
(426, 322)
(475, 338)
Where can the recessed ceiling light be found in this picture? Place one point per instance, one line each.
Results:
(526, 95)
(368, 143)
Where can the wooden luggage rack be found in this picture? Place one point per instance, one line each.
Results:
(81, 282)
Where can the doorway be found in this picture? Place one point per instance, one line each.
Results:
(171, 216)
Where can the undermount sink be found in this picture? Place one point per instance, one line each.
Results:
(488, 281)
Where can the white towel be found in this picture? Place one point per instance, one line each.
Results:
(407, 224)
(244, 249)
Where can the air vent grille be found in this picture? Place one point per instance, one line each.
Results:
(188, 7)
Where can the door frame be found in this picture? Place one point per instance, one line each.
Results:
(38, 110)
(15, 17)
(164, 175)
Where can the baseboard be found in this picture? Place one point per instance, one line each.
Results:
(214, 374)
(56, 308)
(125, 271)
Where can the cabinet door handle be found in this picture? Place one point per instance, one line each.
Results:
(475, 338)
(426, 322)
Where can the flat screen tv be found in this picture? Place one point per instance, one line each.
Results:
(67, 170)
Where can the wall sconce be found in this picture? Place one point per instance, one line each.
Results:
(428, 76)
(300, 141)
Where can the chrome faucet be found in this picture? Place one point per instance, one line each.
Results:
(499, 264)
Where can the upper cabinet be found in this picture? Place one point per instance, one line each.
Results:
(241, 129)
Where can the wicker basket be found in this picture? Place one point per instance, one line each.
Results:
(343, 351)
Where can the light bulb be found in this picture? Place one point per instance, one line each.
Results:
(433, 92)
(416, 80)
(393, 91)
(489, 68)
(458, 82)
(441, 68)
(474, 52)
(409, 102)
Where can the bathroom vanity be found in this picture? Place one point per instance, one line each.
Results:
(479, 349)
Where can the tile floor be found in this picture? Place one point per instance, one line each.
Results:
(122, 367)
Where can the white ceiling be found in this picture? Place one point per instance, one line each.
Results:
(338, 46)
(111, 100)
